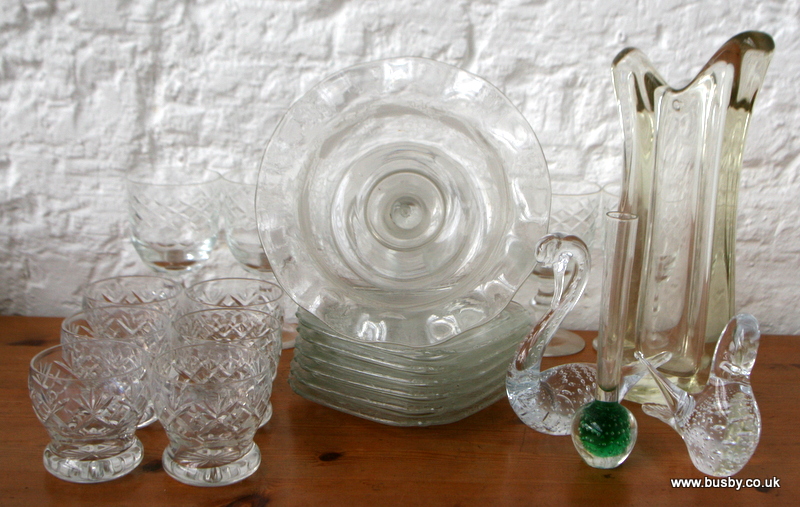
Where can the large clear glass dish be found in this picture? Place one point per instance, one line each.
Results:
(401, 201)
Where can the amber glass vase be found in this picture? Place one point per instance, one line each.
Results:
(683, 157)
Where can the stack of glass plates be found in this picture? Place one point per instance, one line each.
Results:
(402, 385)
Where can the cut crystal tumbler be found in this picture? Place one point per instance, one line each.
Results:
(90, 395)
(211, 398)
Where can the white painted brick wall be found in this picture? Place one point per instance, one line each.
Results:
(85, 85)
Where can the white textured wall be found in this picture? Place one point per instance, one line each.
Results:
(86, 85)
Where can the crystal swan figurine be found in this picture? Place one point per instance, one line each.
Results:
(547, 400)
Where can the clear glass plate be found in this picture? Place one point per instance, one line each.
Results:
(401, 201)
(472, 347)
(431, 380)
(392, 413)
(402, 385)
(435, 378)
(465, 389)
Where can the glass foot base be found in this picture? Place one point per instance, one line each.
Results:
(174, 260)
(223, 475)
(564, 343)
(91, 471)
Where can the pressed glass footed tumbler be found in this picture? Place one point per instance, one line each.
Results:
(90, 395)
(603, 430)
(244, 326)
(143, 325)
(256, 294)
(211, 398)
(152, 291)
(249, 293)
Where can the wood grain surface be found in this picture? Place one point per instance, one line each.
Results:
(313, 455)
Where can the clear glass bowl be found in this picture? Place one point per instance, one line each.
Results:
(401, 201)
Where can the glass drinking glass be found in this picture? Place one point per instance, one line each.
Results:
(90, 395)
(149, 290)
(145, 326)
(574, 209)
(241, 233)
(174, 218)
(245, 326)
(237, 292)
(234, 292)
(239, 220)
(211, 398)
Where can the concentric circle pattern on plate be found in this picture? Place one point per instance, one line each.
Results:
(401, 201)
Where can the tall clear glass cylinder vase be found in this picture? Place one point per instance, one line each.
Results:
(683, 158)
(618, 249)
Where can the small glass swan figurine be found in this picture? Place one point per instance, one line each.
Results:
(547, 400)
(721, 425)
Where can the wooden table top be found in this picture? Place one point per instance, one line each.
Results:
(313, 455)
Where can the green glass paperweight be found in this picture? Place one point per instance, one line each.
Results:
(604, 433)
